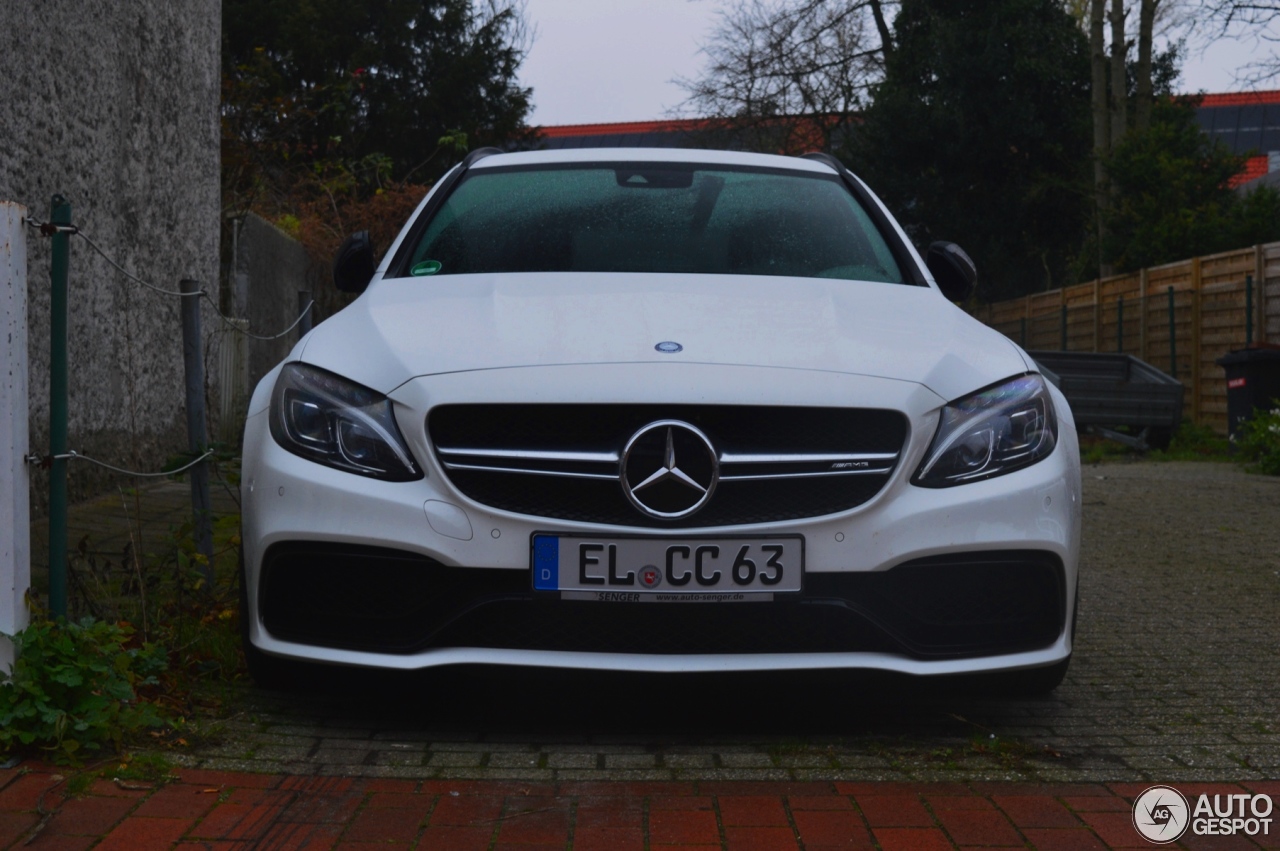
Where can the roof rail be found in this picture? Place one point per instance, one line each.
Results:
(479, 154)
(826, 159)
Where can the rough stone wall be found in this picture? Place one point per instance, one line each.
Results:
(114, 104)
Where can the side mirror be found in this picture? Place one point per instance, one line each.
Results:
(952, 269)
(353, 266)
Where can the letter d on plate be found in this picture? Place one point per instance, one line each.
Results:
(546, 563)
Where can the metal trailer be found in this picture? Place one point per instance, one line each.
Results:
(1109, 391)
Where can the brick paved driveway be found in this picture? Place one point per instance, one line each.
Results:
(1176, 678)
(207, 810)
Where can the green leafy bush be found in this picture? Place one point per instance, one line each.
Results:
(73, 688)
(1259, 440)
(1193, 442)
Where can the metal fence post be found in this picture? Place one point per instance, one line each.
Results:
(1248, 310)
(1144, 314)
(1197, 335)
(60, 214)
(1120, 325)
(197, 441)
(15, 481)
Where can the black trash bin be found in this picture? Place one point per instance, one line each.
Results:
(1253, 381)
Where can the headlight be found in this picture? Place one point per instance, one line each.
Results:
(993, 432)
(340, 424)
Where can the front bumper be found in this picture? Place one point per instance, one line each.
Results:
(309, 528)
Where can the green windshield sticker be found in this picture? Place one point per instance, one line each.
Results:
(426, 267)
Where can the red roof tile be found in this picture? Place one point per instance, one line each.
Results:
(1254, 167)
(1241, 98)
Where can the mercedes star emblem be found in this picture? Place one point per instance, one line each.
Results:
(669, 469)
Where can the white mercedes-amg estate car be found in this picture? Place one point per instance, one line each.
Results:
(663, 411)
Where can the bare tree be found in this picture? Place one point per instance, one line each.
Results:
(788, 75)
(1143, 95)
(1112, 103)
(1113, 65)
(1119, 77)
(1249, 14)
(1101, 119)
(1249, 19)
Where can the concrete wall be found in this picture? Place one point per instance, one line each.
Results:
(269, 269)
(114, 104)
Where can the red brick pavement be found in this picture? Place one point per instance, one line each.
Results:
(211, 811)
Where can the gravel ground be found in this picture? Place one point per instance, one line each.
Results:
(1176, 678)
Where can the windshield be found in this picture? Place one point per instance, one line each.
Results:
(653, 217)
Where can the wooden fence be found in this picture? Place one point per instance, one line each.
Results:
(1180, 317)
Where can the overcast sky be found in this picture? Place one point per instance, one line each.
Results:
(597, 61)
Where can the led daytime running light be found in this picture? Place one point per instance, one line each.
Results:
(992, 432)
(326, 419)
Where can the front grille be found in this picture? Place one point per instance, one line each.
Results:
(563, 461)
(362, 598)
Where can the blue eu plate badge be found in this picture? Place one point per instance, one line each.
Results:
(546, 563)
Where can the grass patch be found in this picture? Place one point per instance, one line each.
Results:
(788, 747)
(1195, 443)
(1257, 445)
(130, 772)
(1095, 449)
(1189, 443)
(78, 784)
(1006, 752)
(144, 768)
(979, 749)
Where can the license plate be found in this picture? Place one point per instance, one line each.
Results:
(625, 569)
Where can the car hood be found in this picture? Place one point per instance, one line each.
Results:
(405, 328)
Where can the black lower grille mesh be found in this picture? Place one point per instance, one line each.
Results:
(606, 428)
(386, 601)
(967, 604)
(366, 598)
(801, 626)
